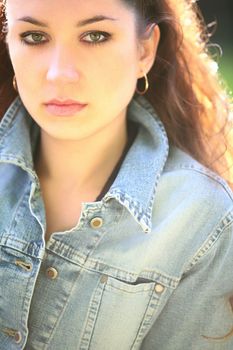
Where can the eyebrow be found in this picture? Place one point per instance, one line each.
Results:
(81, 23)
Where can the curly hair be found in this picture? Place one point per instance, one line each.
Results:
(186, 90)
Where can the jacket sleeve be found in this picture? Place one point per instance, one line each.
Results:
(199, 313)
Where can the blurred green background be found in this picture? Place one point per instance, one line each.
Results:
(221, 11)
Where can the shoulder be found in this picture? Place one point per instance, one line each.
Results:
(193, 207)
(190, 178)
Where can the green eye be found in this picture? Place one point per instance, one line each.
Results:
(37, 37)
(95, 36)
(33, 38)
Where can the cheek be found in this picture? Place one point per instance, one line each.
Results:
(23, 64)
(117, 71)
(24, 59)
(114, 83)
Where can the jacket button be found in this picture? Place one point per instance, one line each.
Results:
(96, 222)
(159, 288)
(51, 273)
(18, 337)
(104, 279)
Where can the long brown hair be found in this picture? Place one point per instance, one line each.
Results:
(186, 93)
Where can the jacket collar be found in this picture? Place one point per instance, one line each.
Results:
(136, 183)
(18, 137)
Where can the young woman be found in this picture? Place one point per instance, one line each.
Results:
(116, 222)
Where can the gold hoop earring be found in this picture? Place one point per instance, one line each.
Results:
(15, 84)
(146, 86)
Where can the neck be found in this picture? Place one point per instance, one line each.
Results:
(85, 163)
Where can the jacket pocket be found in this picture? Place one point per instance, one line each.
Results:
(118, 311)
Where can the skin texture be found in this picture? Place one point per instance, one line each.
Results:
(66, 66)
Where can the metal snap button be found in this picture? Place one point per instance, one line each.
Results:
(104, 279)
(159, 288)
(96, 222)
(18, 337)
(51, 273)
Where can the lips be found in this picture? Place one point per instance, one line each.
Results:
(64, 102)
(64, 107)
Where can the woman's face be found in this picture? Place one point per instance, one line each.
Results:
(61, 57)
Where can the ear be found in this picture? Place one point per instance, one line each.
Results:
(147, 49)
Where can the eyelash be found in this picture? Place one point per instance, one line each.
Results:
(26, 34)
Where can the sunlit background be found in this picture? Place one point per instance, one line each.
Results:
(221, 11)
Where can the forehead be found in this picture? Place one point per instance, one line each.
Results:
(71, 8)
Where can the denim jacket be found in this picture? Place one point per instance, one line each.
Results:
(149, 266)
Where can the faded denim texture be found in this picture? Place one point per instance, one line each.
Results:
(155, 274)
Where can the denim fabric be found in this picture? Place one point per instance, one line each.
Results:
(154, 273)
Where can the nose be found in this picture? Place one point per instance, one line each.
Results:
(62, 67)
